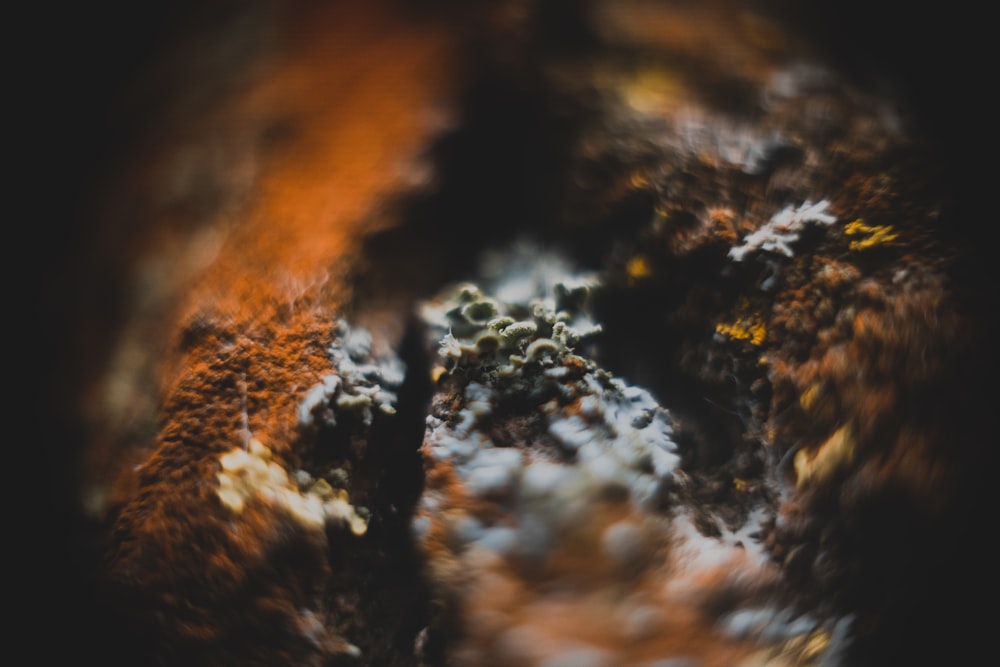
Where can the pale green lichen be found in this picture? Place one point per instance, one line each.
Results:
(515, 331)
(500, 323)
(479, 312)
(541, 347)
(495, 338)
(522, 370)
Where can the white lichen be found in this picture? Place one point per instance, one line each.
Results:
(782, 230)
(364, 381)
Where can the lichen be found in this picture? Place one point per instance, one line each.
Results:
(251, 475)
(638, 269)
(836, 452)
(486, 336)
(750, 329)
(783, 229)
(364, 381)
(532, 427)
(874, 234)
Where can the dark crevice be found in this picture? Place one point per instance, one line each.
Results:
(651, 347)
(376, 592)
(499, 175)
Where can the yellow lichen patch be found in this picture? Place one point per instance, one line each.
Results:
(815, 645)
(638, 180)
(653, 88)
(638, 268)
(802, 650)
(836, 452)
(750, 329)
(251, 474)
(245, 472)
(874, 234)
